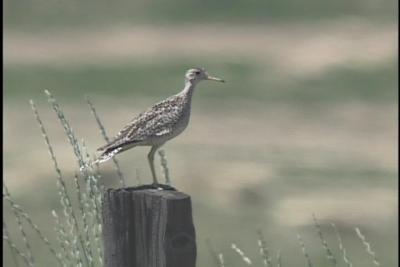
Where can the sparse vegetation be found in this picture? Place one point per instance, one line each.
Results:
(79, 229)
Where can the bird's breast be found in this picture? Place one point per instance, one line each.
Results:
(183, 122)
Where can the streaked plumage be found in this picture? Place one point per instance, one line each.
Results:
(158, 124)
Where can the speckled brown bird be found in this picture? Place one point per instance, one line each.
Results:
(160, 123)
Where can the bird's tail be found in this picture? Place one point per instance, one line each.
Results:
(106, 155)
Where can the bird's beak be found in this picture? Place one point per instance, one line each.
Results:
(211, 78)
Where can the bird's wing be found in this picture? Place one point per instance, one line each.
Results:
(155, 122)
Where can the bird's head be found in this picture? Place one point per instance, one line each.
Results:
(196, 75)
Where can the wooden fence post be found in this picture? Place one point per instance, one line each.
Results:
(146, 227)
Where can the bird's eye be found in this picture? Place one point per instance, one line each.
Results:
(197, 72)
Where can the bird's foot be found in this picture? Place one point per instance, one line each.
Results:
(162, 186)
(156, 185)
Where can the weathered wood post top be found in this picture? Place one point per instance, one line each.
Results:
(148, 227)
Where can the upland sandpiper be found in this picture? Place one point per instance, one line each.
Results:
(160, 123)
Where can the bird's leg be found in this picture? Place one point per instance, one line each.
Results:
(150, 157)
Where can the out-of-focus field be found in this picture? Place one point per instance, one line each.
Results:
(306, 123)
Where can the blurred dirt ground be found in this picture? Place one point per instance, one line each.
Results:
(247, 162)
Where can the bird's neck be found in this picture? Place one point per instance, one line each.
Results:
(188, 89)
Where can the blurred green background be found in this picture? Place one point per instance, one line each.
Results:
(306, 123)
